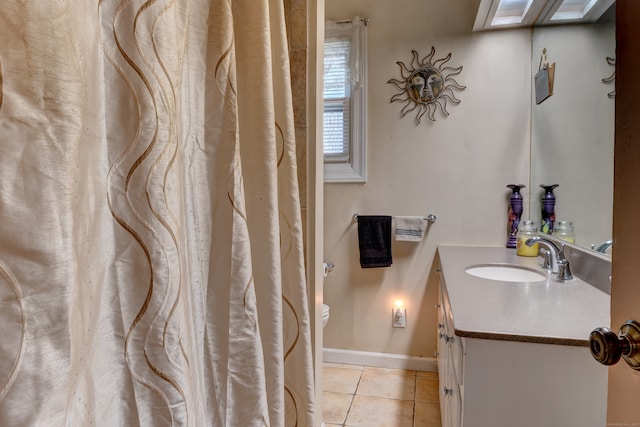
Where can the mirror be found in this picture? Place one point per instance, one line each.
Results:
(572, 132)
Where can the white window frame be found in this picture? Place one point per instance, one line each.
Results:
(353, 168)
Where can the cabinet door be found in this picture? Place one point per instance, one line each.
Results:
(456, 352)
(454, 406)
(443, 360)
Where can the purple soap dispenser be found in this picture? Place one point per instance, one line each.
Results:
(548, 208)
(515, 212)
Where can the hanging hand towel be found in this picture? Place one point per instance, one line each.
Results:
(374, 239)
(409, 228)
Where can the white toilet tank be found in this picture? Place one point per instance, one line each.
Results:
(325, 314)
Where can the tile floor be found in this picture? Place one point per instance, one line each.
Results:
(364, 396)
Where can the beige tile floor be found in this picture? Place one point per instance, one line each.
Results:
(364, 396)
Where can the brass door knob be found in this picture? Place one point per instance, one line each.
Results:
(607, 347)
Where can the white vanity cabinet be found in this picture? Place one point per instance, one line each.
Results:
(499, 381)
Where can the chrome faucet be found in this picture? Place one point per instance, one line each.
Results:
(604, 246)
(555, 261)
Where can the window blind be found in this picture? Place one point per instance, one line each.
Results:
(337, 96)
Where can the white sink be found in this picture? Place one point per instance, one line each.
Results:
(506, 273)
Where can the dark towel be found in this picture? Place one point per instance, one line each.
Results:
(374, 238)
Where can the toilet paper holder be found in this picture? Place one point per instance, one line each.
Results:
(329, 266)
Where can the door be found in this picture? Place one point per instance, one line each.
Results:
(624, 383)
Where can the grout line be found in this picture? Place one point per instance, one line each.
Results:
(346, 416)
(353, 397)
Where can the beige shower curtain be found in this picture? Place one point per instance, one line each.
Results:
(151, 265)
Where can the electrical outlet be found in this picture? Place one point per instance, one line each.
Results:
(399, 317)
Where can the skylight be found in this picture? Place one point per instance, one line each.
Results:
(510, 12)
(573, 9)
(499, 14)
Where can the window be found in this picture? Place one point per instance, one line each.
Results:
(511, 12)
(576, 10)
(344, 135)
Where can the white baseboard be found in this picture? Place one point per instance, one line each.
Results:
(380, 360)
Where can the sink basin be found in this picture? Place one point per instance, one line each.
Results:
(506, 273)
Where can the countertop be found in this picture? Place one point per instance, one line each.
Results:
(547, 311)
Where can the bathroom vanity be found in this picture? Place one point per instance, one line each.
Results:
(515, 353)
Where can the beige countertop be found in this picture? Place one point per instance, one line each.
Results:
(546, 311)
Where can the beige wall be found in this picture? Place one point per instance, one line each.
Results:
(457, 167)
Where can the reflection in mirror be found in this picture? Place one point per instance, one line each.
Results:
(572, 131)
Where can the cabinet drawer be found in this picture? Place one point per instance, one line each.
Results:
(454, 344)
(441, 314)
(444, 358)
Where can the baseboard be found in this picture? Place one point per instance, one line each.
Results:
(380, 360)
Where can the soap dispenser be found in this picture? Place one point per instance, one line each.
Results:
(548, 208)
(515, 212)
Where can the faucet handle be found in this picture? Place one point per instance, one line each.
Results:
(564, 270)
(561, 251)
(546, 258)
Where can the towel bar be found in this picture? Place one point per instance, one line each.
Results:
(431, 217)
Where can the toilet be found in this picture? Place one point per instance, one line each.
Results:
(328, 268)
(325, 315)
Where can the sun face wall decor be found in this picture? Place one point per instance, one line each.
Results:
(426, 86)
(610, 79)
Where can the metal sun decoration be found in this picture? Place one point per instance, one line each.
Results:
(426, 86)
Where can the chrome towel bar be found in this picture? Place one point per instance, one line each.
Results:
(431, 217)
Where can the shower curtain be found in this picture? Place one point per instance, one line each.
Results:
(151, 259)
